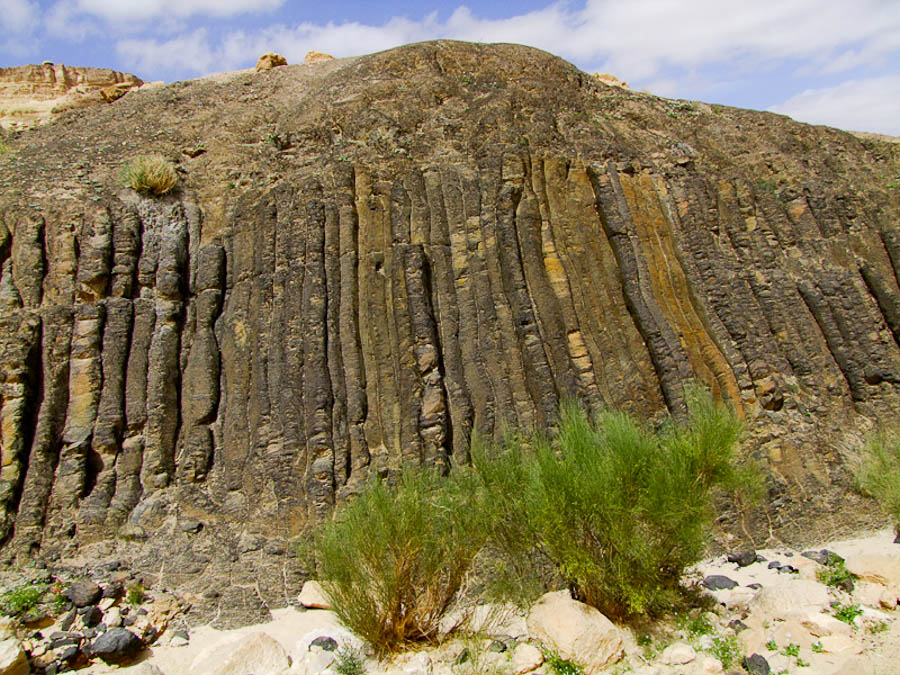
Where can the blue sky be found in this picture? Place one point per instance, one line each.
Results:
(831, 62)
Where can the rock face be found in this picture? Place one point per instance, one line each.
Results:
(369, 259)
(31, 95)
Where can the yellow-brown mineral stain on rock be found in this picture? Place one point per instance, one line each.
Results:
(32, 95)
(648, 202)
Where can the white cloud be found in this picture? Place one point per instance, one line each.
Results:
(143, 10)
(634, 40)
(18, 19)
(18, 15)
(871, 104)
(190, 52)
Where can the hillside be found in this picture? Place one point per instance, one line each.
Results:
(366, 259)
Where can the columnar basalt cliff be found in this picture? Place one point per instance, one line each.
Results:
(367, 259)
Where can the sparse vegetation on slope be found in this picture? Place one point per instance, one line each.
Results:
(879, 474)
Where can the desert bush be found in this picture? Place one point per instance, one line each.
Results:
(151, 174)
(878, 474)
(393, 559)
(620, 509)
(19, 600)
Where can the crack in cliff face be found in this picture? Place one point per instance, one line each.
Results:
(247, 351)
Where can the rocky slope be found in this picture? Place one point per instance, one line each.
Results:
(366, 259)
(32, 95)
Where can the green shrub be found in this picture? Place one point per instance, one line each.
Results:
(393, 559)
(836, 575)
(135, 594)
(150, 174)
(727, 650)
(621, 510)
(348, 661)
(847, 613)
(21, 599)
(879, 474)
(559, 666)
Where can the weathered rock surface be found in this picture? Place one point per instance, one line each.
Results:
(13, 660)
(256, 653)
(32, 95)
(575, 631)
(371, 258)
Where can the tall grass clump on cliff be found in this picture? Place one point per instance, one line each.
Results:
(150, 174)
(393, 559)
(878, 474)
(621, 510)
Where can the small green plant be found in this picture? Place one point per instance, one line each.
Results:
(697, 626)
(348, 661)
(772, 646)
(847, 613)
(878, 475)
(727, 650)
(4, 148)
(560, 666)
(135, 594)
(836, 575)
(150, 174)
(878, 627)
(21, 599)
(817, 647)
(793, 649)
(801, 663)
(393, 559)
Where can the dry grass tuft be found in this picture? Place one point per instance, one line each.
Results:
(150, 174)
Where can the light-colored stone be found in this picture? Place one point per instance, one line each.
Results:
(145, 669)
(739, 598)
(7, 628)
(312, 596)
(525, 658)
(611, 80)
(710, 665)
(270, 60)
(13, 660)
(788, 597)
(840, 644)
(819, 624)
(112, 617)
(255, 653)
(888, 599)
(868, 593)
(576, 631)
(418, 664)
(342, 636)
(313, 662)
(677, 654)
(877, 568)
(313, 56)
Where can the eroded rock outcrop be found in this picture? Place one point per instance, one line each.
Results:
(369, 261)
(31, 95)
